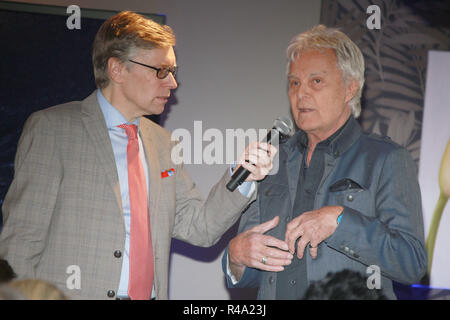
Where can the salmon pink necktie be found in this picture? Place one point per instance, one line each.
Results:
(141, 252)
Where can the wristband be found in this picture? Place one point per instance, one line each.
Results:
(339, 218)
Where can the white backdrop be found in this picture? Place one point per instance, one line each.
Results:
(435, 136)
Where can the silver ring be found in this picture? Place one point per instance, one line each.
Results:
(310, 246)
(264, 260)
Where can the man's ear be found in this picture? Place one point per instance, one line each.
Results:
(116, 70)
(351, 89)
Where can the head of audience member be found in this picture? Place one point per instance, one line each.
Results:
(135, 64)
(6, 272)
(343, 285)
(35, 289)
(9, 293)
(326, 76)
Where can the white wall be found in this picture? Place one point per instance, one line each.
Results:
(231, 55)
(435, 136)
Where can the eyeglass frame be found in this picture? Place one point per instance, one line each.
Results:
(172, 70)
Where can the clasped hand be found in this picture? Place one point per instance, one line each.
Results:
(254, 249)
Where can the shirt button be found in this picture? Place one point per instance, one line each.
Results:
(117, 253)
(346, 249)
(111, 293)
(350, 197)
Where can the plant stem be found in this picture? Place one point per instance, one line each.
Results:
(431, 239)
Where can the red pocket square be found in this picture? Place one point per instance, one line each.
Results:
(167, 173)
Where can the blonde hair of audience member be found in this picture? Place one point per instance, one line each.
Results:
(9, 293)
(34, 289)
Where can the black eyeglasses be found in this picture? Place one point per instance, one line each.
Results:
(161, 73)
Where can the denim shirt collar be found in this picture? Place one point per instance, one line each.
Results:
(339, 142)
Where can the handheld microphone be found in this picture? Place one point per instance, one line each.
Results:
(282, 128)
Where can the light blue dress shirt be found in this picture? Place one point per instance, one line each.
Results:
(119, 141)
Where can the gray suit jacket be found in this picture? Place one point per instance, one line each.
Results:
(64, 208)
(381, 224)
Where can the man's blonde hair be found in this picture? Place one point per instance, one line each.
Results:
(349, 58)
(120, 35)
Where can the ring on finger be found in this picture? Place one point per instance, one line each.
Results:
(264, 260)
(311, 247)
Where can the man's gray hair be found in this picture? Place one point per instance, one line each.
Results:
(349, 58)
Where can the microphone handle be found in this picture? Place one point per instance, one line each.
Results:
(237, 178)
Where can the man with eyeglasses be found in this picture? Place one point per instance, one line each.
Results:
(96, 197)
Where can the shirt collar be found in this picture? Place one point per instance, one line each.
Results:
(113, 117)
(336, 144)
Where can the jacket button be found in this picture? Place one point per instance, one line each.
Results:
(117, 253)
(111, 293)
(350, 197)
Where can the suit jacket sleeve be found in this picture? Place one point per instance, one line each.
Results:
(394, 239)
(30, 201)
(202, 223)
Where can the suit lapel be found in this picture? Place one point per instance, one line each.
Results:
(95, 125)
(330, 163)
(293, 169)
(154, 172)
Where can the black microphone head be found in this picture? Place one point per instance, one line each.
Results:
(284, 126)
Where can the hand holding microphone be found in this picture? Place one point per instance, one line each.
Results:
(255, 163)
(257, 159)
